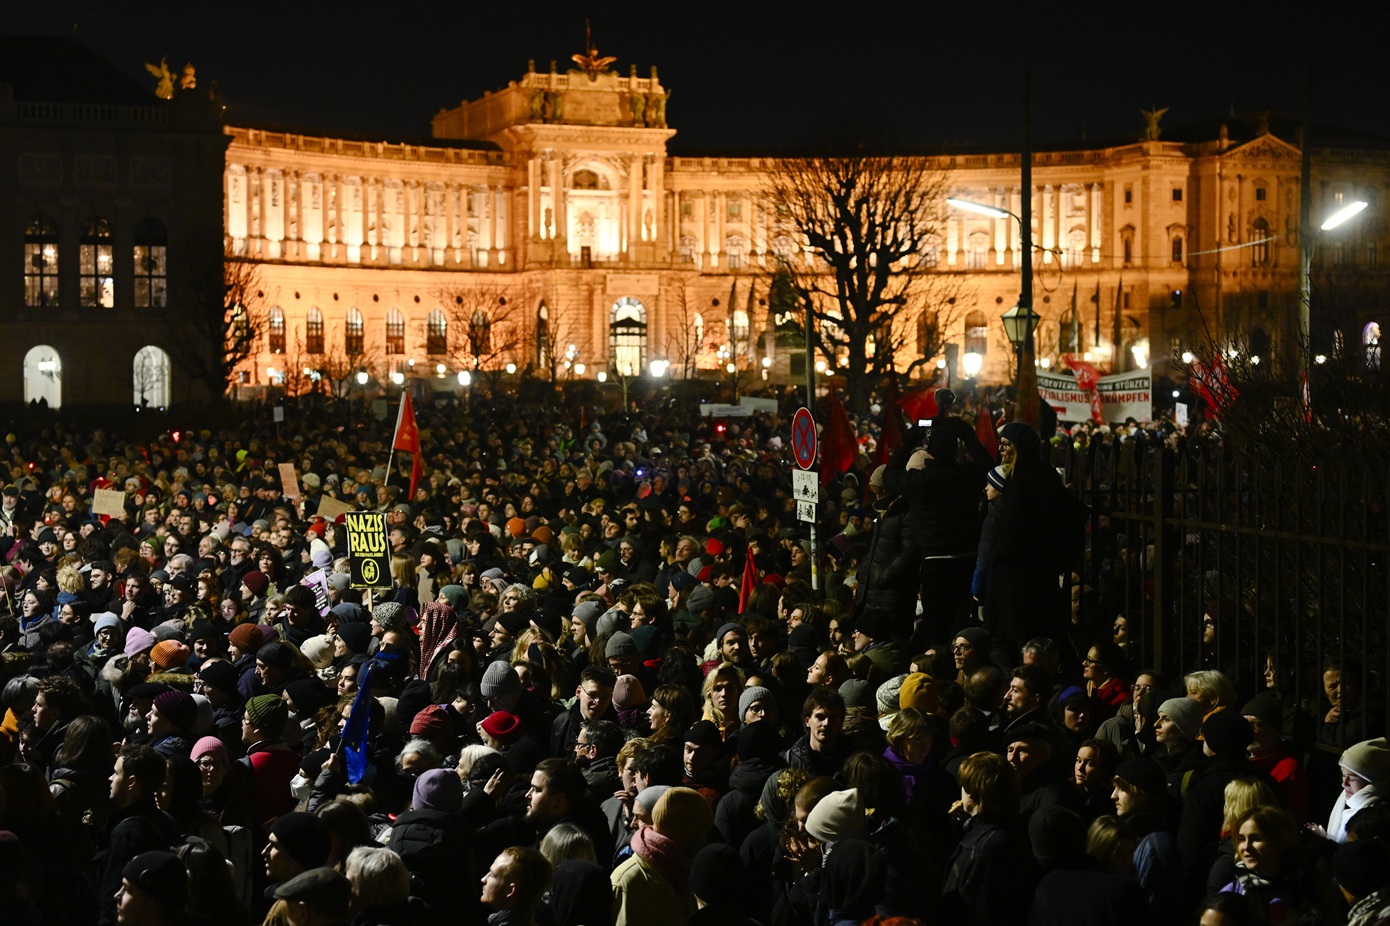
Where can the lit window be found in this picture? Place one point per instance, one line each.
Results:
(1259, 243)
(94, 265)
(40, 262)
(437, 333)
(395, 332)
(277, 330)
(352, 332)
(151, 265)
(313, 331)
(1177, 249)
(977, 333)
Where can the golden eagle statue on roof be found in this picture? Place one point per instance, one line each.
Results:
(591, 62)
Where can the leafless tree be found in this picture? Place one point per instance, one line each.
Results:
(685, 333)
(857, 239)
(486, 327)
(553, 333)
(227, 321)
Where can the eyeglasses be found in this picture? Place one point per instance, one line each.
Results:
(1088, 661)
(962, 648)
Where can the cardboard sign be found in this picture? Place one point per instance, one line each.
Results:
(317, 582)
(330, 508)
(110, 502)
(289, 481)
(369, 550)
(277, 414)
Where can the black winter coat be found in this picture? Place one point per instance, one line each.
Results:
(889, 572)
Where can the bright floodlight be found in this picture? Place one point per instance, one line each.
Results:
(992, 211)
(971, 363)
(465, 378)
(1343, 214)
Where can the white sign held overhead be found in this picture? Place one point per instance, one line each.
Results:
(1180, 415)
(806, 485)
(806, 511)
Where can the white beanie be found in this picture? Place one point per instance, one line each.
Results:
(836, 816)
(1369, 760)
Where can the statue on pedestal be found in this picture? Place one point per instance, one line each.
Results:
(1151, 117)
(165, 88)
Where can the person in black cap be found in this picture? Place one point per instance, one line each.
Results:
(317, 897)
(298, 842)
(873, 636)
(1362, 871)
(153, 891)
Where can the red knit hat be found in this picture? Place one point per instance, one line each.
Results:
(502, 726)
(247, 637)
(432, 721)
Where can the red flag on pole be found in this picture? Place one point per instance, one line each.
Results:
(984, 431)
(408, 439)
(748, 582)
(838, 447)
(920, 404)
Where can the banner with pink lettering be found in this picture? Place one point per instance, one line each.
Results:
(1121, 396)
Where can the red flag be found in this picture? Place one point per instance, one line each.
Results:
(920, 404)
(748, 582)
(984, 431)
(408, 439)
(838, 447)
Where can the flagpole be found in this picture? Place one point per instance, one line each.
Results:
(391, 457)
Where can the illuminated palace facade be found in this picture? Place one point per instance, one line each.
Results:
(546, 226)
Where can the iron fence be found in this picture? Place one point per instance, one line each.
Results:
(1270, 569)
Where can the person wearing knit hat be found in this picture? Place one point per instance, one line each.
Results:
(500, 687)
(434, 724)
(255, 582)
(997, 478)
(298, 842)
(265, 718)
(620, 644)
(1226, 733)
(919, 691)
(683, 816)
(318, 649)
(388, 616)
(437, 789)
(320, 555)
(1269, 756)
(154, 889)
(1182, 714)
(701, 601)
(758, 699)
(351, 639)
(500, 729)
(838, 815)
(1365, 769)
(628, 694)
(970, 648)
(245, 639)
(170, 721)
(168, 656)
(138, 643)
(888, 698)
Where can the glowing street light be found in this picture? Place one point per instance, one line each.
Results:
(362, 377)
(1343, 214)
(465, 378)
(994, 212)
(971, 364)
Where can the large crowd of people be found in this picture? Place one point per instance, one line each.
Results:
(611, 681)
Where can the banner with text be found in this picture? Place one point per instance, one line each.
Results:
(369, 551)
(1122, 395)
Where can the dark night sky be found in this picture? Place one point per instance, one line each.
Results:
(768, 76)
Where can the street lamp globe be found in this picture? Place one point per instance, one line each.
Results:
(362, 377)
(465, 378)
(971, 363)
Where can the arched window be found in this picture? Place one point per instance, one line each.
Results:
(436, 333)
(151, 374)
(978, 252)
(699, 332)
(1076, 247)
(353, 332)
(627, 336)
(277, 330)
(543, 336)
(1259, 243)
(977, 333)
(479, 333)
(40, 262)
(43, 376)
(94, 265)
(313, 331)
(740, 329)
(151, 264)
(395, 332)
(735, 251)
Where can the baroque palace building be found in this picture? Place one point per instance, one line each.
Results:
(545, 229)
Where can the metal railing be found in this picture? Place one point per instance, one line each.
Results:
(1285, 562)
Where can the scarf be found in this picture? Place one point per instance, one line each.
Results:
(669, 859)
(438, 628)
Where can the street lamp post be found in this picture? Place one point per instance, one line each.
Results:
(1019, 323)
